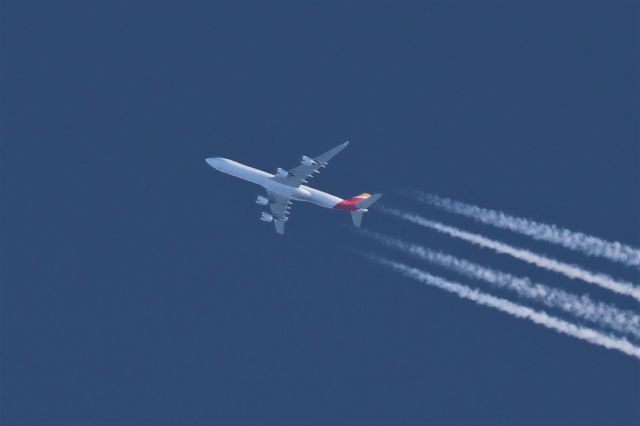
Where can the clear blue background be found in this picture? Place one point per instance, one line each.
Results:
(139, 286)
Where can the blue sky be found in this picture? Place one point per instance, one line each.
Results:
(139, 286)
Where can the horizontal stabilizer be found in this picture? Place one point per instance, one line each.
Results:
(357, 218)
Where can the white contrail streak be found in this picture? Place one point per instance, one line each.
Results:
(580, 306)
(520, 311)
(586, 244)
(571, 271)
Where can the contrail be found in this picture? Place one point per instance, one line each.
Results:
(580, 306)
(586, 244)
(520, 311)
(571, 271)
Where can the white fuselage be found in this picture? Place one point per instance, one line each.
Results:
(264, 179)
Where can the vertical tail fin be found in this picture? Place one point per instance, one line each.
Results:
(363, 205)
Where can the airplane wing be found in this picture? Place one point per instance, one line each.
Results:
(299, 175)
(280, 207)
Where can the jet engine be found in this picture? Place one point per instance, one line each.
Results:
(263, 201)
(306, 161)
(282, 173)
(266, 217)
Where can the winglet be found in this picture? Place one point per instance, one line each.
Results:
(279, 226)
(324, 158)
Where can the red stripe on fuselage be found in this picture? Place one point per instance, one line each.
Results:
(349, 205)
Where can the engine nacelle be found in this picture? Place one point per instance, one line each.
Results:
(282, 173)
(306, 161)
(266, 217)
(263, 201)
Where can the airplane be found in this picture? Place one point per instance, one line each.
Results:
(286, 186)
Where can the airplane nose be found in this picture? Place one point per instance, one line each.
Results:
(214, 162)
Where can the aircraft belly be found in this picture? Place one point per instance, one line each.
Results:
(321, 198)
(285, 191)
(241, 171)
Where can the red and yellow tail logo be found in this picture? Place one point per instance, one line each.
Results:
(352, 203)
